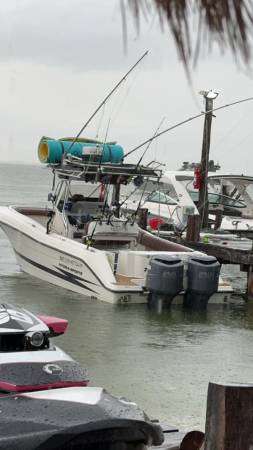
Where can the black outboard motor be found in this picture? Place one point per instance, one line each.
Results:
(203, 280)
(164, 280)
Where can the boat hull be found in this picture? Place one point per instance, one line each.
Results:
(49, 258)
(69, 265)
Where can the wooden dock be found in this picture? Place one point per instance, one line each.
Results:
(224, 254)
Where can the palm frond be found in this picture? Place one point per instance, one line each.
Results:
(228, 22)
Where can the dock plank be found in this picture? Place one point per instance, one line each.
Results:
(223, 254)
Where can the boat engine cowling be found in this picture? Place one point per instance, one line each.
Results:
(164, 280)
(203, 281)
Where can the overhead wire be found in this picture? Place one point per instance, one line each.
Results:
(189, 119)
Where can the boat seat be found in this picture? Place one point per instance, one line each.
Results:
(82, 212)
(85, 207)
(112, 231)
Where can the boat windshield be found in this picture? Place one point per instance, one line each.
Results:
(160, 197)
(218, 199)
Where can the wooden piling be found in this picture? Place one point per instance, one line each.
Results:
(229, 417)
(143, 218)
(193, 228)
(249, 292)
(218, 219)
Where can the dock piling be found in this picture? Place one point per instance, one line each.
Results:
(143, 218)
(250, 283)
(229, 417)
(193, 228)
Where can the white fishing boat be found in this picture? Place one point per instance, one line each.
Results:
(85, 244)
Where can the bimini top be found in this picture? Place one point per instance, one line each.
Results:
(242, 179)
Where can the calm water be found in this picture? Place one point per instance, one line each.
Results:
(163, 362)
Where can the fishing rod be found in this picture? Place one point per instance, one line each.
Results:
(104, 101)
(134, 215)
(105, 139)
(138, 163)
(128, 196)
(150, 142)
(186, 121)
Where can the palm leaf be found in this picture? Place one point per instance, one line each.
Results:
(228, 22)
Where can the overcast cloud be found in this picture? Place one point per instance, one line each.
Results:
(59, 59)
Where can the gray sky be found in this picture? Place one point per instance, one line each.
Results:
(58, 59)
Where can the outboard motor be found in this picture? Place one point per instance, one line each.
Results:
(203, 280)
(164, 280)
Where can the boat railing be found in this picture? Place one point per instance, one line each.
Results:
(76, 169)
(65, 222)
(64, 211)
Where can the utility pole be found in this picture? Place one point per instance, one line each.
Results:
(203, 206)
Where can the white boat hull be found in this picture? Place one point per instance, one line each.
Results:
(65, 266)
(70, 265)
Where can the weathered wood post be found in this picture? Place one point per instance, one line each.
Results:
(143, 218)
(250, 283)
(229, 417)
(218, 218)
(193, 228)
(209, 97)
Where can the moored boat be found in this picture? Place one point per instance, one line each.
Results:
(86, 244)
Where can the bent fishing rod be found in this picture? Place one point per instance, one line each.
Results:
(104, 101)
(186, 121)
(150, 142)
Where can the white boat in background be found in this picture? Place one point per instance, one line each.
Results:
(238, 212)
(85, 244)
(175, 198)
(168, 199)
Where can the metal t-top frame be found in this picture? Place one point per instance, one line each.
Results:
(107, 173)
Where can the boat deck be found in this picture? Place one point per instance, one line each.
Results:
(124, 280)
